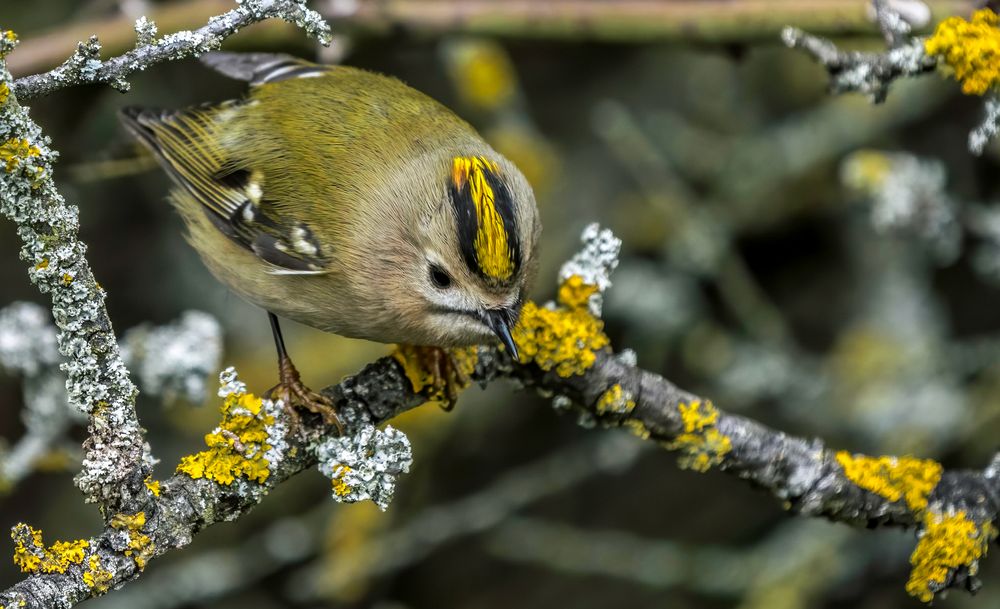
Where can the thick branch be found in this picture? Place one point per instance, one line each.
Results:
(800, 473)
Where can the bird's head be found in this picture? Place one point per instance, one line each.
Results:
(478, 251)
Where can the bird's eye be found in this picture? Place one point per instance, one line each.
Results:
(440, 278)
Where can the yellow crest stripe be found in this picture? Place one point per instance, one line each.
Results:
(492, 243)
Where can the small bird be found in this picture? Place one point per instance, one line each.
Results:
(347, 201)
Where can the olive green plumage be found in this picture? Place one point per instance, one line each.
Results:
(344, 200)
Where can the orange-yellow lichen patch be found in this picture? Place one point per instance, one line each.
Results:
(8, 40)
(971, 49)
(31, 555)
(15, 151)
(96, 576)
(615, 401)
(893, 478)
(140, 546)
(947, 543)
(574, 293)
(702, 445)
(636, 428)
(428, 374)
(564, 340)
(236, 448)
(340, 487)
(152, 485)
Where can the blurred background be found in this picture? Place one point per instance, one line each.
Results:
(823, 265)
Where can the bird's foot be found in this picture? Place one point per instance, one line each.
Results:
(437, 374)
(293, 393)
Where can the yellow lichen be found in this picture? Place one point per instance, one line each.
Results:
(67, 279)
(971, 49)
(574, 293)
(31, 555)
(701, 444)
(16, 150)
(140, 546)
(341, 488)
(560, 339)
(152, 485)
(97, 577)
(866, 170)
(7, 41)
(236, 448)
(28, 548)
(482, 73)
(428, 374)
(637, 428)
(44, 264)
(893, 478)
(615, 401)
(947, 543)
(4, 92)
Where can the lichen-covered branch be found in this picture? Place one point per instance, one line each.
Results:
(98, 384)
(564, 353)
(861, 72)
(964, 47)
(85, 65)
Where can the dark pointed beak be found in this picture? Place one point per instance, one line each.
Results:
(500, 321)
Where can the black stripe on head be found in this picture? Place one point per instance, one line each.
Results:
(485, 218)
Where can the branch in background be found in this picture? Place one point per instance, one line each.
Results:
(28, 348)
(966, 48)
(718, 21)
(772, 567)
(855, 71)
(85, 66)
(172, 362)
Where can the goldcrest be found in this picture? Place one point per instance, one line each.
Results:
(349, 202)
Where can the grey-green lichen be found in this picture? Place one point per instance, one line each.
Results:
(97, 382)
(85, 65)
(365, 464)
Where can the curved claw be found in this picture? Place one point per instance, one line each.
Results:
(294, 393)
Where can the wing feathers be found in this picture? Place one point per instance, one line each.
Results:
(183, 142)
(261, 68)
(186, 144)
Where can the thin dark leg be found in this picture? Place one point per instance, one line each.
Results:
(290, 388)
(279, 341)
